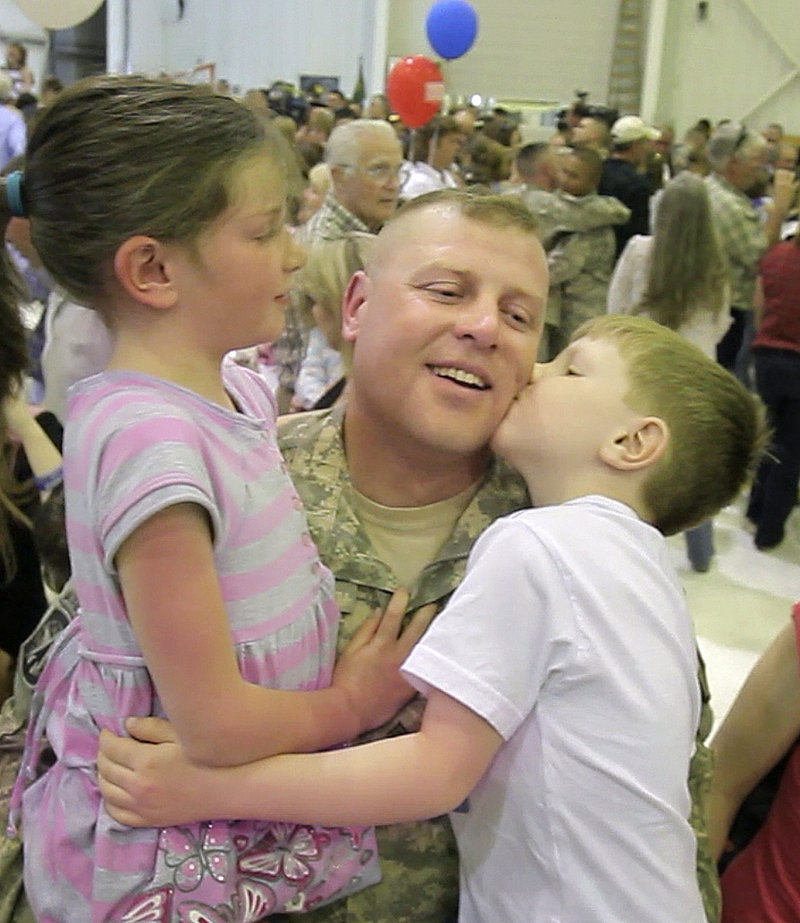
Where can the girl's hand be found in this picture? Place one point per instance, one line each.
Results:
(368, 670)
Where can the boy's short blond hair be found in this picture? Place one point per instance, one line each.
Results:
(717, 428)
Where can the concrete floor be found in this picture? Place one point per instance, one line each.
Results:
(742, 602)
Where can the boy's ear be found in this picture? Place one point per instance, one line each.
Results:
(141, 268)
(355, 296)
(640, 445)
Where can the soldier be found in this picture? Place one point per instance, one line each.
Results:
(399, 483)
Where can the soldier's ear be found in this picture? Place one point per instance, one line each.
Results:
(354, 302)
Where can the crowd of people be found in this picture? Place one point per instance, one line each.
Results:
(526, 364)
(595, 189)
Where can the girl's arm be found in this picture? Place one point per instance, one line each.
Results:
(761, 725)
(43, 457)
(178, 615)
(389, 781)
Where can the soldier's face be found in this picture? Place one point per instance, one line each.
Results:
(445, 328)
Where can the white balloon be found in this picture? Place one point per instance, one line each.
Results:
(58, 14)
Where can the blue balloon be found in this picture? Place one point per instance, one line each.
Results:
(451, 26)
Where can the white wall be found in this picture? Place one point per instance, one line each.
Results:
(252, 42)
(542, 50)
(727, 65)
(560, 47)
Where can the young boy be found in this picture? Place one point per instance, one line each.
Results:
(561, 677)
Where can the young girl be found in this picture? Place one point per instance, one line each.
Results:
(162, 206)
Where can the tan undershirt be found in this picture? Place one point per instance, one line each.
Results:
(407, 538)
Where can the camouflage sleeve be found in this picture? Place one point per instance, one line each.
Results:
(567, 258)
(605, 210)
(701, 771)
(592, 212)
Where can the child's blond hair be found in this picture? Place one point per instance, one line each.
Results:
(717, 428)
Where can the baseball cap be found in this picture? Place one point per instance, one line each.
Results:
(631, 128)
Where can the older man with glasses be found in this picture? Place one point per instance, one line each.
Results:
(365, 160)
(737, 156)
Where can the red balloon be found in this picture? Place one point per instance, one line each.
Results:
(415, 89)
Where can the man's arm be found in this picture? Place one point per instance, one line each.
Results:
(784, 195)
(389, 781)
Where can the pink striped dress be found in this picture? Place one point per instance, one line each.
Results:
(135, 445)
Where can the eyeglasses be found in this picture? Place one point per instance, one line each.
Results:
(379, 172)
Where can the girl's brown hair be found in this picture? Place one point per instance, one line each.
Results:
(113, 157)
(688, 270)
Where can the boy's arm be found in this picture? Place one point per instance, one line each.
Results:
(186, 643)
(389, 781)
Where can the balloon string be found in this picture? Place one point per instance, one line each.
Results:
(432, 145)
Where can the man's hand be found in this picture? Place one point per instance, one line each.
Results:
(368, 669)
(150, 786)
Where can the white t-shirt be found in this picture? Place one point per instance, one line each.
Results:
(422, 177)
(570, 635)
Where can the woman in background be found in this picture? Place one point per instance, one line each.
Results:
(677, 277)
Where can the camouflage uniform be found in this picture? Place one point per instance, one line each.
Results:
(577, 237)
(580, 259)
(701, 771)
(419, 860)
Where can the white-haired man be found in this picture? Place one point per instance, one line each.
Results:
(737, 156)
(365, 158)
